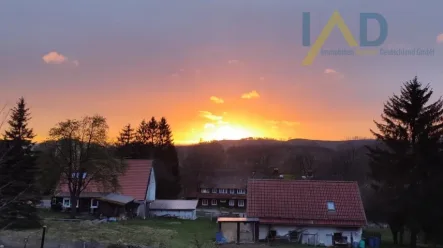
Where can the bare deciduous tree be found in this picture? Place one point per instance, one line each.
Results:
(80, 153)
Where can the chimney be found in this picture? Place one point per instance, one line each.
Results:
(253, 174)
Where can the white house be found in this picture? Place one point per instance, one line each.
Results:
(322, 212)
(182, 209)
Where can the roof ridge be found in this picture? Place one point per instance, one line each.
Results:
(300, 180)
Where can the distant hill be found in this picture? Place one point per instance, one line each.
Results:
(334, 145)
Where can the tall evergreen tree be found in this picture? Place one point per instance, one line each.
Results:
(153, 132)
(406, 165)
(167, 160)
(125, 142)
(141, 135)
(164, 133)
(18, 171)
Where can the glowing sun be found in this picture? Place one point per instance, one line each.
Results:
(228, 132)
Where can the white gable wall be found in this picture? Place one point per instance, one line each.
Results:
(152, 187)
(324, 234)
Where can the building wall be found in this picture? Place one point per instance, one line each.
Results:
(229, 231)
(220, 203)
(182, 214)
(324, 234)
(152, 187)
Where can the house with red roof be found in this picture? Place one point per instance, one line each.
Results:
(137, 189)
(320, 212)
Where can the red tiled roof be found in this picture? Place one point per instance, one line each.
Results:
(133, 183)
(304, 202)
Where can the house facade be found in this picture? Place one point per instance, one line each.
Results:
(321, 212)
(137, 189)
(223, 189)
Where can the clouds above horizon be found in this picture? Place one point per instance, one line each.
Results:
(250, 95)
(210, 116)
(216, 99)
(56, 58)
(440, 38)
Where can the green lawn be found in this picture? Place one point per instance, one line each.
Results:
(155, 232)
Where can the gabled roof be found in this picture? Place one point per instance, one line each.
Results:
(173, 205)
(133, 183)
(304, 202)
(225, 179)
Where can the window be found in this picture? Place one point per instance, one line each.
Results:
(214, 191)
(241, 203)
(76, 175)
(222, 191)
(331, 206)
(94, 203)
(66, 202)
(205, 190)
(214, 202)
(232, 191)
(205, 202)
(54, 201)
(231, 203)
(241, 191)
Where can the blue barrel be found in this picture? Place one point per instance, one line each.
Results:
(377, 242)
(371, 242)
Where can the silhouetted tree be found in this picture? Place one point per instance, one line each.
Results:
(18, 171)
(125, 142)
(167, 166)
(406, 165)
(79, 151)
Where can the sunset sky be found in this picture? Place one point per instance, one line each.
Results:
(216, 69)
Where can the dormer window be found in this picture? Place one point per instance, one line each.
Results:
(204, 191)
(331, 206)
(214, 191)
(232, 191)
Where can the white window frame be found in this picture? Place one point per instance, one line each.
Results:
(231, 203)
(69, 202)
(204, 202)
(331, 206)
(241, 191)
(214, 191)
(204, 191)
(222, 191)
(232, 191)
(214, 202)
(92, 203)
(241, 203)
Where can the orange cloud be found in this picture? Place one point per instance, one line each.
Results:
(440, 38)
(216, 99)
(54, 58)
(210, 116)
(233, 62)
(250, 95)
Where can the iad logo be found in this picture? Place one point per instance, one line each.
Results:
(337, 20)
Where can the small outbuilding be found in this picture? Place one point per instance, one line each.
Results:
(238, 230)
(182, 209)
